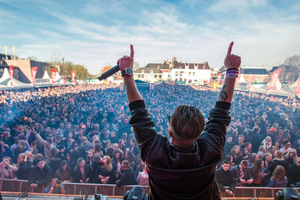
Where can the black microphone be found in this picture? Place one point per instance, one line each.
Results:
(108, 73)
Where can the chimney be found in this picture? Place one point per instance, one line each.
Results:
(6, 51)
(204, 65)
(14, 52)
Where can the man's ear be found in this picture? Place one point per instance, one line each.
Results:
(170, 134)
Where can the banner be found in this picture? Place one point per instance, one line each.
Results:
(152, 86)
(53, 74)
(73, 76)
(219, 78)
(239, 77)
(33, 74)
(298, 86)
(11, 72)
(274, 79)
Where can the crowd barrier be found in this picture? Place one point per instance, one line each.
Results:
(10, 185)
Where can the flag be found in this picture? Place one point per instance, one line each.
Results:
(73, 77)
(33, 73)
(298, 86)
(219, 78)
(53, 74)
(11, 72)
(274, 79)
(152, 86)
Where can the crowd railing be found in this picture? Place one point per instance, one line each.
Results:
(11, 185)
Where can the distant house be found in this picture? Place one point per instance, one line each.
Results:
(148, 74)
(175, 71)
(191, 72)
(255, 75)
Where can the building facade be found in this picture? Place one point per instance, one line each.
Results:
(194, 73)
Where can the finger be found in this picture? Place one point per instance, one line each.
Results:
(131, 52)
(230, 48)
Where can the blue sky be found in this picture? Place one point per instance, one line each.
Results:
(97, 33)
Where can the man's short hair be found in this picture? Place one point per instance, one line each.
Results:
(126, 163)
(245, 163)
(226, 162)
(187, 122)
(241, 135)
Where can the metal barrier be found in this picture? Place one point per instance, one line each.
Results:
(10, 185)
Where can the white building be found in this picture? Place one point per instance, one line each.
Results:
(176, 71)
(191, 72)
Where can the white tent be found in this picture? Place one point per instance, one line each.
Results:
(44, 81)
(58, 78)
(12, 84)
(242, 79)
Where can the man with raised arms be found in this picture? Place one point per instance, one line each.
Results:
(183, 168)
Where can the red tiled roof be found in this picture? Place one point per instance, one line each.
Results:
(105, 69)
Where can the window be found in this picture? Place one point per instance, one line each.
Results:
(160, 76)
(155, 76)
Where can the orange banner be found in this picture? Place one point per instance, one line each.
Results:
(11, 72)
(298, 86)
(73, 77)
(33, 74)
(53, 74)
(274, 79)
(219, 78)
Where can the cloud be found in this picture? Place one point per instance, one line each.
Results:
(97, 33)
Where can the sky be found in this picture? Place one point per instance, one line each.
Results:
(96, 33)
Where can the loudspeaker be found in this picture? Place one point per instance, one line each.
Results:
(287, 194)
(136, 193)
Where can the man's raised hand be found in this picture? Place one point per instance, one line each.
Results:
(126, 61)
(231, 60)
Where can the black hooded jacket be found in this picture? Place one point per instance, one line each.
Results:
(176, 173)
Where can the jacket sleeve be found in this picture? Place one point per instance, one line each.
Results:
(231, 184)
(219, 182)
(76, 176)
(143, 126)
(236, 176)
(46, 179)
(215, 129)
(290, 175)
(271, 183)
(31, 178)
(124, 178)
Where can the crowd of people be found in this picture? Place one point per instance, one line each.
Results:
(81, 134)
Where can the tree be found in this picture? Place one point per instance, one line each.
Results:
(293, 61)
(32, 58)
(290, 69)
